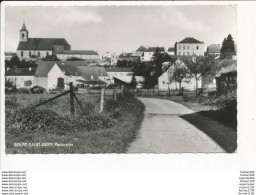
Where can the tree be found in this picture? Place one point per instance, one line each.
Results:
(179, 74)
(133, 81)
(60, 83)
(200, 66)
(50, 58)
(75, 59)
(228, 48)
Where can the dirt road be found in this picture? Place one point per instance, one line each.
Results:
(164, 130)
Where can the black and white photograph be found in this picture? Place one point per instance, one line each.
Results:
(127, 97)
(120, 79)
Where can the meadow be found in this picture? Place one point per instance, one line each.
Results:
(51, 129)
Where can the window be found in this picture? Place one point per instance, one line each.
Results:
(21, 53)
(38, 53)
(188, 47)
(47, 53)
(23, 35)
(179, 46)
(184, 53)
(29, 53)
(187, 53)
(179, 53)
(184, 47)
(27, 83)
(197, 47)
(92, 77)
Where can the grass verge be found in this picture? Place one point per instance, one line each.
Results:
(82, 134)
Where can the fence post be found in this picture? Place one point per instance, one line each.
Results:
(114, 94)
(102, 99)
(72, 107)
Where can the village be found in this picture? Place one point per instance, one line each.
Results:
(190, 73)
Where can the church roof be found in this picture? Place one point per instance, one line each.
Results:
(41, 43)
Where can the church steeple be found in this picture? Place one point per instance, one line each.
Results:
(23, 33)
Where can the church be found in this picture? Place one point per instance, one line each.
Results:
(39, 47)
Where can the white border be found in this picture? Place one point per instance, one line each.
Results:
(244, 159)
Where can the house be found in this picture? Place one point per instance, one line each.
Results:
(139, 52)
(209, 81)
(190, 46)
(111, 58)
(148, 54)
(87, 55)
(171, 51)
(9, 55)
(214, 49)
(165, 82)
(119, 72)
(48, 73)
(128, 57)
(21, 77)
(114, 58)
(39, 47)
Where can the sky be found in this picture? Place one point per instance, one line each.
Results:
(121, 28)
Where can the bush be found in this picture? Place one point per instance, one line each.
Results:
(23, 91)
(11, 102)
(31, 120)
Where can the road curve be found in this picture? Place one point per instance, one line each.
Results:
(164, 131)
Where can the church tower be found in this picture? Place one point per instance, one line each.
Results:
(23, 34)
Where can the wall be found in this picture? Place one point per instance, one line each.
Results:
(26, 53)
(53, 76)
(41, 81)
(190, 49)
(19, 81)
(67, 56)
(147, 56)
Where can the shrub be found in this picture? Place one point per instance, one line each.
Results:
(23, 91)
(31, 120)
(11, 102)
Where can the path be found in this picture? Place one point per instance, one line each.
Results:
(164, 131)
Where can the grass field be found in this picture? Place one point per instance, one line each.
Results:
(51, 129)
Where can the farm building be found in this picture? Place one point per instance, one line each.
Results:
(88, 55)
(209, 81)
(165, 83)
(48, 72)
(21, 77)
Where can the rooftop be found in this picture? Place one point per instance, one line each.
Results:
(190, 40)
(153, 49)
(41, 43)
(20, 72)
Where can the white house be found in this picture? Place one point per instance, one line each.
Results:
(148, 54)
(47, 75)
(48, 72)
(171, 51)
(190, 46)
(165, 83)
(21, 77)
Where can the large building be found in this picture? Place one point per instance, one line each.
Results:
(190, 46)
(39, 47)
(88, 55)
